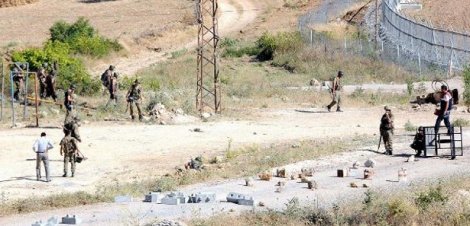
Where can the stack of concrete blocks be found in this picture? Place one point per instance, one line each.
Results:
(240, 199)
(53, 221)
(71, 220)
(174, 198)
(155, 197)
(202, 197)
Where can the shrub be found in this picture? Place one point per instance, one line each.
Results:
(461, 122)
(466, 79)
(432, 195)
(282, 43)
(409, 127)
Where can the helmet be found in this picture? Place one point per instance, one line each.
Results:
(116, 74)
(340, 73)
(73, 86)
(111, 67)
(136, 81)
(44, 64)
(387, 108)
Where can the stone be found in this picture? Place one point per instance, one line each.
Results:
(38, 223)
(265, 176)
(240, 199)
(202, 197)
(281, 173)
(354, 172)
(205, 115)
(368, 173)
(155, 197)
(342, 172)
(402, 175)
(314, 82)
(353, 185)
(281, 183)
(168, 223)
(356, 165)
(249, 182)
(312, 185)
(365, 185)
(308, 172)
(174, 198)
(70, 220)
(122, 198)
(370, 163)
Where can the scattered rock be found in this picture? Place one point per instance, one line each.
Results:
(312, 185)
(368, 173)
(169, 223)
(265, 176)
(261, 204)
(314, 82)
(356, 165)
(295, 146)
(281, 173)
(308, 172)
(205, 115)
(353, 185)
(370, 163)
(365, 185)
(197, 130)
(281, 183)
(249, 182)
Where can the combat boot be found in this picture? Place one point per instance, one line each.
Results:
(329, 108)
(65, 175)
(132, 117)
(338, 110)
(140, 118)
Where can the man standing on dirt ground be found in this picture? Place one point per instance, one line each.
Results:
(134, 95)
(386, 130)
(41, 75)
(41, 146)
(443, 114)
(336, 92)
(69, 149)
(112, 88)
(18, 79)
(106, 78)
(50, 82)
(69, 100)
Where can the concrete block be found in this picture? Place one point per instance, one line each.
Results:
(52, 221)
(71, 220)
(240, 199)
(122, 198)
(174, 198)
(354, 173)
(155, 197)
(342, 172)
(38, 223)
(202, 197)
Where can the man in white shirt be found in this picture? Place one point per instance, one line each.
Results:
(41, 146)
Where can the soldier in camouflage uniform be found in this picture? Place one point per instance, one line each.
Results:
(386, 130)
(71, 124)
(113, 88)
(18, 79)
(50, 82)
(69, 149)
(41, 75)
(106, 77)
(336, 92)
(134, 95)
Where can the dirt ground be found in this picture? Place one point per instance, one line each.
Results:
(449, 15)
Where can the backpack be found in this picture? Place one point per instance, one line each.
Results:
(105, 78)
(68, 145)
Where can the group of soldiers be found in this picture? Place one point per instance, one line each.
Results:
(109, 80)
(46, 76)
(386, 122)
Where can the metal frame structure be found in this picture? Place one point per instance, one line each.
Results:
(208, 82)
(27, 74)
(452, 141)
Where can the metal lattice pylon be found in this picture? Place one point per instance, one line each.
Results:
(208, 84)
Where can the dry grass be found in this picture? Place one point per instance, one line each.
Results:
(11, 3)
(443, 203)
(337, 30)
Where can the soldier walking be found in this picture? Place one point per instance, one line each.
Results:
(71, 124)
(41, 146)
(112, 88)
(134, 96)
(50, 82)
(106, 77)
(386, 130)
(18, 79)
(336, 92)
(69, 149)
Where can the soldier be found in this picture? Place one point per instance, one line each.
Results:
(69, 149)
(133, 96)
(418, 142)
(50, 82)
(71, 124)
(112, 88)
(18, 79)
(336, 92)
(41, 75)
(69, 100)
(386, 130)
(42, 147)
(106, 77)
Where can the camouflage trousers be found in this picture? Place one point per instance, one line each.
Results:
(137, 105)
(69, 157)
(336, 99)
(387, 136)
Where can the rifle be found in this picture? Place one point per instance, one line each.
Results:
(380, 141)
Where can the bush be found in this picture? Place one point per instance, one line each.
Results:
(433, 195)
(409, 127)
(466, 80)
(282, 43)
(461, 122)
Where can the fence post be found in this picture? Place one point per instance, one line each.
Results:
(3, 90)
(311, 37)
(419, 63)
(398, 52)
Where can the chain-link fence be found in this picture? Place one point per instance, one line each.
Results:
(412, 53)
(446, 48)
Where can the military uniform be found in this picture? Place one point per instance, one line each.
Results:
(50, 82)
(41, 75)
(71, 124)
(335, 90)
(18, 79)
(69, 148)
(106, 77)
(386, 130)
(112, 88)
(134, 95)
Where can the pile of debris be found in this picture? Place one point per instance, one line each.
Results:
(162, 116)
